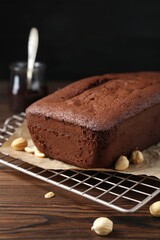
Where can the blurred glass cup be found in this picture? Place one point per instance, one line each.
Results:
(19, 96)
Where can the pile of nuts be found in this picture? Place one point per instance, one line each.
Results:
(123, 162)
(21, 144)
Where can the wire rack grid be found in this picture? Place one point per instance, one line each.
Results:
(122, 192)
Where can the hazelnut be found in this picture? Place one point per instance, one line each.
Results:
(122, 163)
(136, 157)
(155, 209)
(102, 226)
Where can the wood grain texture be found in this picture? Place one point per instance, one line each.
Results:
(26, 214)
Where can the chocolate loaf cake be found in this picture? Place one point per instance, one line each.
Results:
(91, 122)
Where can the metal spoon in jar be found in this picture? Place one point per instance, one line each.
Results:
(32, 52)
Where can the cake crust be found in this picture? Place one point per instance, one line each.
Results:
(91, 122)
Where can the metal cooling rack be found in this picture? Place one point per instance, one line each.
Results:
(122, 192)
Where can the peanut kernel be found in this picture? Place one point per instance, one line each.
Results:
(49, 195)
(39, 154)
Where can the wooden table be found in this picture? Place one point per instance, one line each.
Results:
(26, 214)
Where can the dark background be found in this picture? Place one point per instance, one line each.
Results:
(79, 38)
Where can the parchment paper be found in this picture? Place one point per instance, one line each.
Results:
(150, 166)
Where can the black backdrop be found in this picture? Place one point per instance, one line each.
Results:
(79, 38)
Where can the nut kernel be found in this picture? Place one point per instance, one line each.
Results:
(122, 163)
(137, 157)
(102, 226)
(29, 149)
(155, 209)
(39, 154)
(19, 144)
(49, 195)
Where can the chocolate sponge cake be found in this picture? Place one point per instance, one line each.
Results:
(91, 122)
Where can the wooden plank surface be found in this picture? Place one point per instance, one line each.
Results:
(26, 214)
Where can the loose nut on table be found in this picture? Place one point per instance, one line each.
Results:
(19, 144)
(136, 157)
(122, 163)
(102, 226)
(155, 209)
(49, 195)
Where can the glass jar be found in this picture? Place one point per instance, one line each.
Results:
(19, 96)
